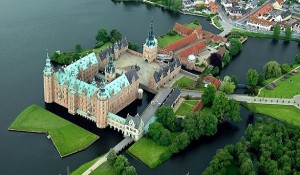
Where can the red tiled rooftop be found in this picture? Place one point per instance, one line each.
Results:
(179, 28)
(200, 46)
(265, 9)
(260, 21)
(216, 82)
(181, 43)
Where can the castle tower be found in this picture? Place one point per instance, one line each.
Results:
(102, 107)
(116, 51)
(110, 70)
(150, 47)
(48, 81)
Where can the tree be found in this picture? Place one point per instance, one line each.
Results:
(115, 36)
(227, 86)
(235, 47)
(209, 95)
(297, 58)
(166, 116)
(221, 161)
(252, 77)
(215, 60)
(190, 126)
(234, 79)
(155, 130)
(272, 70)
(226, 58)
(285, 68)
(78, 48)
(111, 157)
(288, 33)
(215, 71)
(102, 35)
(196, 21)
(261, 79)
(234, 110)
(181, 142)
(220, 106)
(133, 46)
(247, 167)
(120, 164)
(276, 31)
(210, 123)
(130, 170)
(165, 138)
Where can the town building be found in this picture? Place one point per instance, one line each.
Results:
(207, 80)
(296, 27)
(172, 97)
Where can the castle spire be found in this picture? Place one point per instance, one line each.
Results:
(48, 67)
(151, 41)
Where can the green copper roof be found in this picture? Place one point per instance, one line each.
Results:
(116, 85)
(116, 117)
(48, 68)
(83, 63)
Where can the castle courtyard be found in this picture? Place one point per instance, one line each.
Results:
(127, 61)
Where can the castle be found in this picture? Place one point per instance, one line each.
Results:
(83, 90)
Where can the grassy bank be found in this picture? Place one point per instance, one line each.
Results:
(289, 114)
(215, 21)
(67, 137)
(287, 88)
(149, 152)
(84, 167)
(186, 107)
(259, 35)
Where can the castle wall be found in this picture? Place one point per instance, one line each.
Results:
(48, 88)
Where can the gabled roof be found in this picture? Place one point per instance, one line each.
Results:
(172, 97)
(116, 85)
(199, 46)
(81, 64)
(260, 21)
(216, 82)
(136, 120)
(181, 43)
(130, 74)
(119, 44)
(182, 29)
(164, 71)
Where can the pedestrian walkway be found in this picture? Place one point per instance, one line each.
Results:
(96, 165)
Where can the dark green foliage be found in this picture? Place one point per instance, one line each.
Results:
(130, 170)
(252, 77)
(221, 161)
(115, 36)
(261, 79)
(173, 5)
(297, 58)
(226, 59)
(166, 116)
(78, 48)
(165, 138)
(225, 109)
(133, 46)
(272, 70)
(234, 79)
(196, 21)
(65, 58)
(111, 157)
(288, 33)
(208, 95)
(235, 47)
(285, 68)
(120, 164)
(102, 35)
(274, 149)
(190, 125)
(172, 33)
(181, 142)
(215, 71)
(209, 122)
(155, 130)
(276, 31)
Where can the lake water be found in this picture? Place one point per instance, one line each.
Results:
(28, 29)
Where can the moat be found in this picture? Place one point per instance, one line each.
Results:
(28, 29)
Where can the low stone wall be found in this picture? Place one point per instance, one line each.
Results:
(135, 53)
(189, 74)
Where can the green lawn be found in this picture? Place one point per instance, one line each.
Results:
(289, 114)
(186, 107)
(192, 25)
(103, 169)
(217, 23)
(165, 40)
(84, 167)
(147, 151)
(183, 83)
(67, 137)
(285, 89)
(105, 45)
